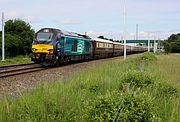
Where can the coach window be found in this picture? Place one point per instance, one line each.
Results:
(98, 44)
(101, 45)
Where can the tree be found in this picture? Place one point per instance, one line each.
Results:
(102, 37)
(172, 45)
(18, 37)
(167, 47)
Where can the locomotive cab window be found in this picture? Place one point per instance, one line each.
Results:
(44, 36)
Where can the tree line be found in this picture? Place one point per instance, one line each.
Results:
(18, 38)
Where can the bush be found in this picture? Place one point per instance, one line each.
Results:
(119, 107)
(103, 108)
(136, 79)
(147, 56)
(136, 108)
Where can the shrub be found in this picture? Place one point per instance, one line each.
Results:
(120, 107)
(101, 109)
(136, 79)
(135, 108)
(147, 56)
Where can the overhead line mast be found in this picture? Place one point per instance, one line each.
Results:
(124, 29)
(3, 59)
(136, 31)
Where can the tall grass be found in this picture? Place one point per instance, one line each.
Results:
(16, 60)
(131, 90)
(169, 67)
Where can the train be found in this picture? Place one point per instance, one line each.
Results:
(53, 47)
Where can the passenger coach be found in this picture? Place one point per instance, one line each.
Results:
(102, 48)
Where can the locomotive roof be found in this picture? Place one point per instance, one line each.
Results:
(49, 30)
(65, 33)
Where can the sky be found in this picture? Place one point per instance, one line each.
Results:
(156, 19)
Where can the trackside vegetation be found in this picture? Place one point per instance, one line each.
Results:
(18, 38)
(16, 60)
(172, 44)
(137, 89)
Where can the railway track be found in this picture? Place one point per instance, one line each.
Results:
(13, 70)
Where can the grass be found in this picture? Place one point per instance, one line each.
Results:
(16, 60)
(169, 66)
(138, 89)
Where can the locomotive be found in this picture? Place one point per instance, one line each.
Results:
(53, 46)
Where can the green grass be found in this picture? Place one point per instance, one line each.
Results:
(169, 66)
(16, 60)
(138, 89)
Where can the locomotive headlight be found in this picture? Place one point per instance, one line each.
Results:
(34, 49)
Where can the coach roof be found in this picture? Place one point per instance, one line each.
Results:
(102, 40)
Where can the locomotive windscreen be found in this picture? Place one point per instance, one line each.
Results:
(44, 36)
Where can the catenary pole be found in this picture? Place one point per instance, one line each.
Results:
(136, 32)
(124, 29)
(148, 43)
(3, 59)
(154, 44)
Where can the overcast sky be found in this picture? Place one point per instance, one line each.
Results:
(98, 17)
